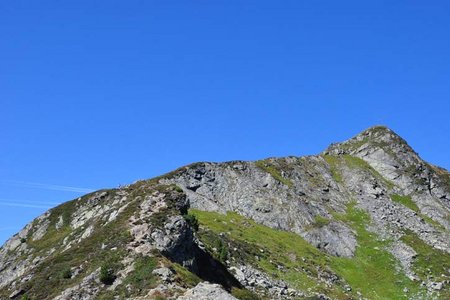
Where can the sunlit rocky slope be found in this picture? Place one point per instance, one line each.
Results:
(365, 219)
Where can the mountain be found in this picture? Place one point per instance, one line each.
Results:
(365, 219)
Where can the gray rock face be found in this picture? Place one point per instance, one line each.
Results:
(176, 240)
(86, 290)
(397, 164)
(304, 189)
(10, 265)
(256, 280)
(335, 239)
(164, 273)
(207, 291)
(309, 191)
(405, 255)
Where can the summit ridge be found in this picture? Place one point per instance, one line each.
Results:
(365, 219)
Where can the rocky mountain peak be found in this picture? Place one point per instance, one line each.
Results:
(378, 131)
(365, 219)
(374, 138)
(384, 150)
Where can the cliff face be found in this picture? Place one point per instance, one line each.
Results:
(367, 218)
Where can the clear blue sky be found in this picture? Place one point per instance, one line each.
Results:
(95, 94)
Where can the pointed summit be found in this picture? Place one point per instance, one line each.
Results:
(384, 150)
(381, 133)
(376, 137)
(377, 130)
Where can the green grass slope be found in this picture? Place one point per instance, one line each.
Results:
(373, 272)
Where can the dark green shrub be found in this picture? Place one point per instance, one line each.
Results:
(107, 275)
(222, 250)
(192, 221)
(223, 254)
(66, 273)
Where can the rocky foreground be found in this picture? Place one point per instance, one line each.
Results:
(365, 219)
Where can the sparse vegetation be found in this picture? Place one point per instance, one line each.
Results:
(320, 221)
(270, 168)
(354, 145)
(184, 277)
(243, 294)
(51, 272)
(333, 162)
(406, 201)
(356, 162)
(142, 277)
(173, 194)
(337, 162)
(430, 262)
(55, 236)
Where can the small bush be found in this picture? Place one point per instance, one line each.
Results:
(223, 254)
(192, 221)
(222, 251)
(66, 273)
(107, 275)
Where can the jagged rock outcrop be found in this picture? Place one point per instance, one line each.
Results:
(247, 188)
(366, 218)
(176, 240)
